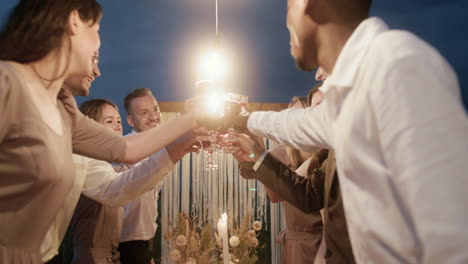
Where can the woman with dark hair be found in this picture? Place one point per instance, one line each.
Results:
(42, 44)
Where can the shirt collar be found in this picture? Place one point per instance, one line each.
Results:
(131, 132)
(350, 58)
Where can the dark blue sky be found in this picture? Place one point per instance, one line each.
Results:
(155, 44)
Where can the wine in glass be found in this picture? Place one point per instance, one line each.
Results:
(212, 105)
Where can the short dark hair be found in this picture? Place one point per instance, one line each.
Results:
(93, 108)
(139, 92)
(35, 28)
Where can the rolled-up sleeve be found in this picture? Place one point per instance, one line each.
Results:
(303, 129)
(103, 184)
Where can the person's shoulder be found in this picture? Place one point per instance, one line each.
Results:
(6, 67)
(11, 87)
(394, 51)
(67, 99)
(69, 107)
(81, 161)
(8, 74)
(399, 44)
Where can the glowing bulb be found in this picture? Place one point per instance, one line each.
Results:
(213, 66)
(214, 103)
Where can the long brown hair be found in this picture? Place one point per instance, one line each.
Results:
(36, 27)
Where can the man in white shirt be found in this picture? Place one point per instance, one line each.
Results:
(139, 224)
(393, 114)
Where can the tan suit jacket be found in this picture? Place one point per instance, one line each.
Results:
(336, 232)
(310, 194)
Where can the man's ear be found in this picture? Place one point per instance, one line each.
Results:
(130, 121)
(74, 22)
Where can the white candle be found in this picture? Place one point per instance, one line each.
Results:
(223, 233)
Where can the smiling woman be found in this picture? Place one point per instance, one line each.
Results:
(104, 112)
(110, 118)
(34, 166)
(41, 125)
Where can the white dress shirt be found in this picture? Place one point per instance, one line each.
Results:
(392, 112)
(98, 180)
(140, 215)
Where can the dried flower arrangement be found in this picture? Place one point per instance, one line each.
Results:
(243, 242)
(189, 243)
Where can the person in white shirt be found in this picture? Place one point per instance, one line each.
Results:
(139, 224)
(392, 112)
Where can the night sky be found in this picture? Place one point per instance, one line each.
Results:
(156, 44)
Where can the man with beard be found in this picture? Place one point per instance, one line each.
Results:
(139, 225)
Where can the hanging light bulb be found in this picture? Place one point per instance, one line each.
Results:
(213, 65)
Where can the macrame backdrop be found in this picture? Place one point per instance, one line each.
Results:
(207, 194)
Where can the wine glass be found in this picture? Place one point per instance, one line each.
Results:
(212, 105)
(218, 105)
(213, 146)
(234, 105)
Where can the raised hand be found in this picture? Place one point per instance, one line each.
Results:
(185, 144)
(249, 149)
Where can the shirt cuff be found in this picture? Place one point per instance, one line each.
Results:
(260, 161)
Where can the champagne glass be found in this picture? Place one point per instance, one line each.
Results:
(210, 165)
